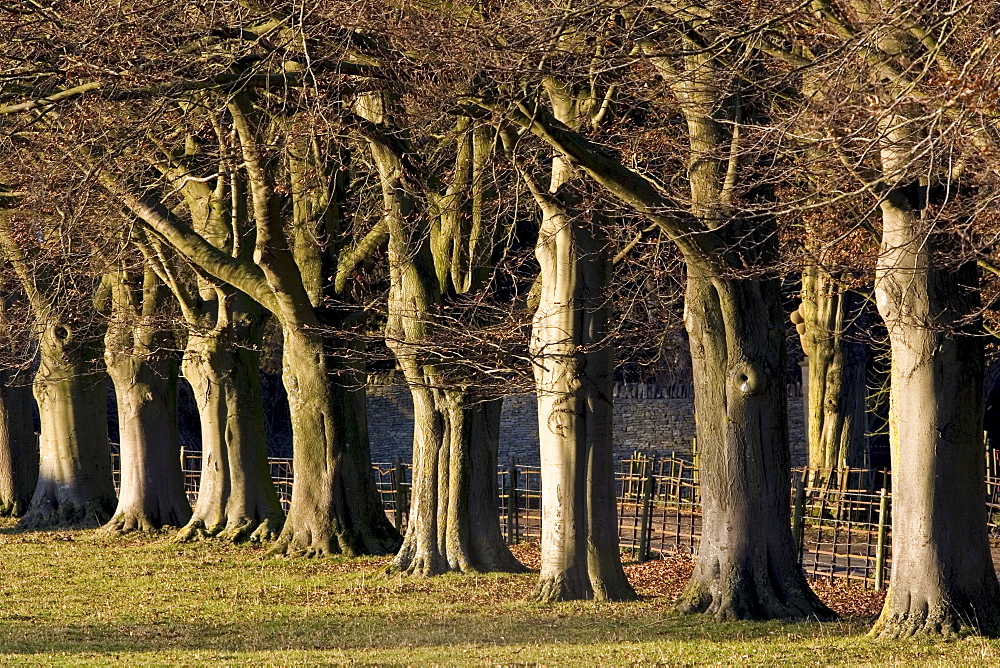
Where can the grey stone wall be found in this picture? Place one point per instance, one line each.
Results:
(646, 421)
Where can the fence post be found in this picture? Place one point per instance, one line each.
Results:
(183, 460)
(647, 513)
(880, 549)
(511, 502)
(799, 512)
(397, 492)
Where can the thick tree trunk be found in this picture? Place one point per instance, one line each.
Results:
(151, 495)
(837, 422)
(335, 508)
(747, 566)
(237, 499)
(943, 579)
(573, 367)
(454, 510)
(18, 447)
(75, 486)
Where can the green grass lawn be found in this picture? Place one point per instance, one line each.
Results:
(72, 597)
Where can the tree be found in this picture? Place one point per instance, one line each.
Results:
(453, 521)
(143, 366)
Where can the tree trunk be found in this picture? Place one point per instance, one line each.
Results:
(837, 422)
(747, 567)
(18, 448)
(573, 367)
(335, 508)
(75, 487)
(151, 495)
(943, 580)
(454, 509)
(237, 499)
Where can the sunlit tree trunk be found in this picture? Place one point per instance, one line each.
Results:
(454, 514)
(74, 487)
(237, 499)
(943, 579)
(143, 367)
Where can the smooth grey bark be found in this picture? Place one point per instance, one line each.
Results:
(837, 423)
(455, 433)
(75, 486)
(573, 367)
(943, 580)
(237, 499)
(18, 444)
(143, 367)
(747, 566)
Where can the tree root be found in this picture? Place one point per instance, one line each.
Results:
(752, 601)
(941, 621)
(234, 530)
(48, 514)
(125, 523)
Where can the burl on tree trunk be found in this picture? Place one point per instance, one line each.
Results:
(747, 567)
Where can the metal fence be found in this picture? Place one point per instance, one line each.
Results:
(841, 520)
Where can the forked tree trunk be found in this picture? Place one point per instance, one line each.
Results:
(573, 367)
(837, 422)
(454, 441)
(943, 579)
(237, 499)
(18, 447)
(151, 494)
(335, 508)
(747, 567)
(454, 508)
(75, 487)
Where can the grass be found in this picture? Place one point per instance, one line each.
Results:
(72, 597)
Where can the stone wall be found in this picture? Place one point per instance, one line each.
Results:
(650, 421)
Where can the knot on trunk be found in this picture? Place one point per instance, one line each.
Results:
(748, 379)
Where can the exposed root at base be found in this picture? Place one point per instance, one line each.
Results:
(748, 603)
(48, 514)
(119, 525)
(235, 530)
(941, 622)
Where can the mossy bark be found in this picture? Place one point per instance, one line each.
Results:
(237, 499)
(837, 422)
(335, 508)
(18, 445)
(75, 486)
(453, 523)
(747, 566)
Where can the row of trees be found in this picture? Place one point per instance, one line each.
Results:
(187, 189)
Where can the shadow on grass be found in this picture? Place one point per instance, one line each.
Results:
(362, 630)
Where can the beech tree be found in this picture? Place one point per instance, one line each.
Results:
(74, 478)
(432, 255)
(140, 358)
